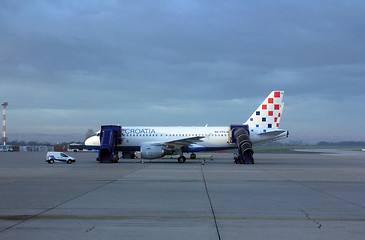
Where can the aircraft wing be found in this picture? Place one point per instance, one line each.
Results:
(184, 142)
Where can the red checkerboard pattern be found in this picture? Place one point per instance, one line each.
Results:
(269, 113)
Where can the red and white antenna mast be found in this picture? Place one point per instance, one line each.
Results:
(4, 129)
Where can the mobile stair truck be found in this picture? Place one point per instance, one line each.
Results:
(110, 137)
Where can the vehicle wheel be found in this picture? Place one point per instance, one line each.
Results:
(69, 161)
(181, 159)
(51, 161)
(193, 156)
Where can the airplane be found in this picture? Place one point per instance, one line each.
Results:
(155, 142)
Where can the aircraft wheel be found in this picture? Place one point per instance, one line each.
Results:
(181, 159)
(115, 159)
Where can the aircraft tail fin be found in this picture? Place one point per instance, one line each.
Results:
(267, 116)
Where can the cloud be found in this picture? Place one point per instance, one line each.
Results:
(110, 61)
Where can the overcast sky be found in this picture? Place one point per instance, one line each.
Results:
(67, 66)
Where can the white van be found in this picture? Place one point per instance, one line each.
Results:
(59, 157)
(6, 148)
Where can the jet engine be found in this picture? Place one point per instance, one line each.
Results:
(152, 151)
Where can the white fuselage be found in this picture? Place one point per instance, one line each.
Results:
(213, 138)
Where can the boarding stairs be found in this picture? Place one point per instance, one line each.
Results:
(110, 137)
(240, 135)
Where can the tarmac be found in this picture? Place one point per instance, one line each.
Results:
(283, 196)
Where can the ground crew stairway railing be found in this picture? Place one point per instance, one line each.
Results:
(240, 135)
(110, 137)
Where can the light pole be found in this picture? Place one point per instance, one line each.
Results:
(4, 126)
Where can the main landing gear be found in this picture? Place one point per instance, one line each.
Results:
(181, 159)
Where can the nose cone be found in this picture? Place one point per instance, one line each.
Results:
(92, 141)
